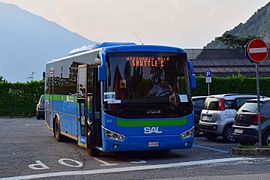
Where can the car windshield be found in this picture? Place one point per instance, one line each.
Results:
(41, 98)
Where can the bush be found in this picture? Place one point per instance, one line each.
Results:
(20, 99)
(232, 84)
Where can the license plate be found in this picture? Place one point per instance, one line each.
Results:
(153, 144)
(238, 131)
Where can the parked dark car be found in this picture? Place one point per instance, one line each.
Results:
(246, 122)
(198, 103)
(40, 108)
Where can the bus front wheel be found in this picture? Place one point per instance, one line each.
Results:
(92, 151)
(57, 131)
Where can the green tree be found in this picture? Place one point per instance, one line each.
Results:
(2, 79)
(235, 41)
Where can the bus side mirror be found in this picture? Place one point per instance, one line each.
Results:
(102, 73)
(102, 67)
(192, 78)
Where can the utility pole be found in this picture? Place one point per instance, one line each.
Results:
(31, 76)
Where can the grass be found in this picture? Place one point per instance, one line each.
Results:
(253, 147)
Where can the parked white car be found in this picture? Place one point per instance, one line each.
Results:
(218, 114)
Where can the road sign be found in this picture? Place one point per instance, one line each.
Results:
(257, 50)
(208, 74)
(208, 79)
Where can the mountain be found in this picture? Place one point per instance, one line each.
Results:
(257, 25)
(28, 41)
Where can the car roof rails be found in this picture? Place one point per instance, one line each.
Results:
(237, 94)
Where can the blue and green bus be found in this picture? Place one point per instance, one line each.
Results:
(119, 97)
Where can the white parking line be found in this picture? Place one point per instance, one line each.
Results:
(34, 124)
(126, 169)
(104, 163)
(138, 162)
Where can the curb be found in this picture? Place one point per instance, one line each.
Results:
(253, 151)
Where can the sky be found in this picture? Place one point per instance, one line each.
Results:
(181, 23)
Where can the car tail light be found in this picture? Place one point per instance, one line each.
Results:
(255, 119)
(221, 104)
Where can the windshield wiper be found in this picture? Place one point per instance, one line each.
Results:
(245, 110)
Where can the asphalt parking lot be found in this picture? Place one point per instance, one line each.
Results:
(28, 148)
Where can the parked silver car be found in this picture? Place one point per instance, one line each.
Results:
(218, 114)
(40, 108)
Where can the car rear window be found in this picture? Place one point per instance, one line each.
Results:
(198, 102)
(211, 103)
(249, 107)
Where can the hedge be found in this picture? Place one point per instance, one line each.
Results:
(232, 84)
(20, 99)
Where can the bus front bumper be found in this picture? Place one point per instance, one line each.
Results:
(148, 143)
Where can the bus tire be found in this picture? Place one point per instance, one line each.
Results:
(57, 131)
(93, 152)
(210, 136)
(90, 145)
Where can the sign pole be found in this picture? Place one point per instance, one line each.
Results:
(208, 80)
(208, 89)
(257, 51)
(258, 102)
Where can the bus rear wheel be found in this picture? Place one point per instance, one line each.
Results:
(57, 131)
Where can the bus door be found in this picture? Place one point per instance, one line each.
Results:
(89, 111)
(96, 109)
(82, 105)
(49, 115)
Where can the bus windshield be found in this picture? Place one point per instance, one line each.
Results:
(147, 85)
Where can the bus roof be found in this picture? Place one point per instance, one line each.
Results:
(98, 45)
(116, 47)
(143, 48)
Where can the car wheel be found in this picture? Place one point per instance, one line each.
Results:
(266, 138)
(228, 134)
(210, 136)
(57, 131)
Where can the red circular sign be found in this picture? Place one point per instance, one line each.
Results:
(257, 50)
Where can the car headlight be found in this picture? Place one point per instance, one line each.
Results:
(113, 135)
(187, 134)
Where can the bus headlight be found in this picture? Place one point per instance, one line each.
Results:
(113, 135)
(187, 134)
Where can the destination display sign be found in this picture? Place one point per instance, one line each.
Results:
(147, 61)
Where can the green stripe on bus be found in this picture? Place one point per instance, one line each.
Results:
(61, 98)
(151, 122)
